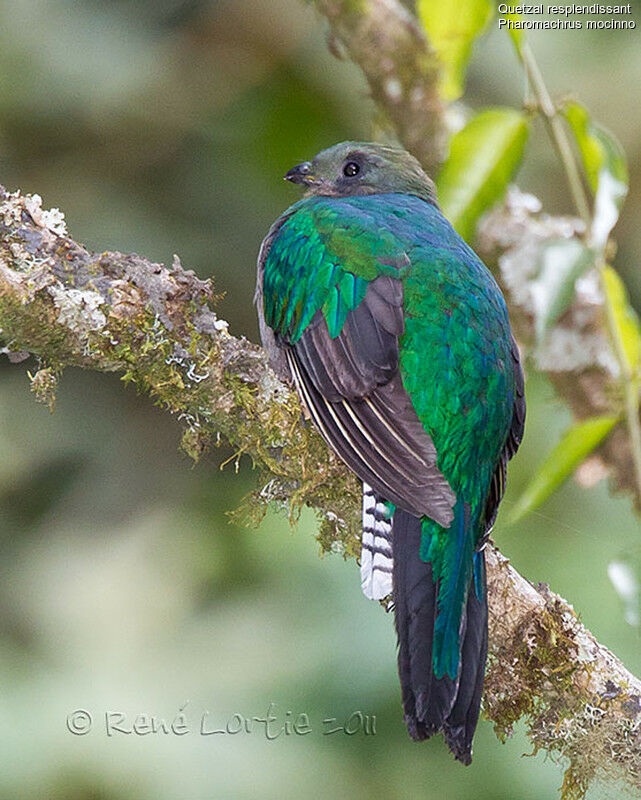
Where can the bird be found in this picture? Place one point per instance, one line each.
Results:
(397, 339)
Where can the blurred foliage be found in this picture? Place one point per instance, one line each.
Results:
(452, 30)
(483, 158)
(164, 127)
(561, 262)
(600, 152)
(575, 445)
(627, 329)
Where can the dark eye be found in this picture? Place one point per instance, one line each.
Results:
(350, 169)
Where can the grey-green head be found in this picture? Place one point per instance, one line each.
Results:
(357, 168)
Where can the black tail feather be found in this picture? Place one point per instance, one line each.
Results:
(430, 704)
(414, 604)
(461, 723)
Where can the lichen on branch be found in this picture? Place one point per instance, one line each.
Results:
(156, 325)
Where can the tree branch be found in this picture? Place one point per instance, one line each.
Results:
(155, 325)
(387, 43)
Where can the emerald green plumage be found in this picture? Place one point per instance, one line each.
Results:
(459, 375)
(322, 258)
(453, 351)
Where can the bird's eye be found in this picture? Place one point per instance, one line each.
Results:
(350, 169)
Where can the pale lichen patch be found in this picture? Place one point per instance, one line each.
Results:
(576, 342)
(11, 208)
(79, 310)
(53, 218)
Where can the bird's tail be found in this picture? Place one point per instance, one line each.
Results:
(441, 621)
(376, 551)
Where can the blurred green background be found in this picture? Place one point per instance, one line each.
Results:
(165, 127)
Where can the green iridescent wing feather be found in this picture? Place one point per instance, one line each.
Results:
(323, 258)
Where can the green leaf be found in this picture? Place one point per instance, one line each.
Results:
(483, 157)
(605, 168)
(452, 29)
(627, 329)
(577, 443)
(561, 263)
(598, 147)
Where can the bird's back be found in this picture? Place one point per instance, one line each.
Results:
(455, 353)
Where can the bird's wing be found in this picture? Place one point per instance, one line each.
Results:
(333, 298)
(517, 427)
(514, 438)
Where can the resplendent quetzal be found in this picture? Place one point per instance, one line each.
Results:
(398, 341)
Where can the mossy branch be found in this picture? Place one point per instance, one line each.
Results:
(156, 326)
(387, 43)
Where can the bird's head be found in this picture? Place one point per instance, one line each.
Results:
(358, 168)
